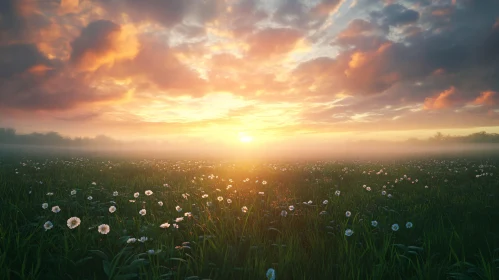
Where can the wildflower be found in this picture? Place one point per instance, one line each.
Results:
(45, 205)
(348, 232)
(178, 208)
(220, 198)
(291, 208)
(325, 202)
(103, 229)
(131, 200)
(73, 192)
(136, 195)
(150, 252)
(56, 209)
(264, 182)
(229, 200)
(90, 197)
(408, 225)
(112, 209)
(337, 193)
(115, 193)
(383, 193)
(160, 203)
(348, 214)
(270, 274)
(187, 214)
(143, 239)
(261, 193)
(48, 225)
(94, 183)
(175, 225)
(309, 202)
(180, 219)
(389, 195)
(148, 192)
(165, 225)
(73, 222)
(244, 209)
(50, 193)
(131, 240)
(142, 212)
(323, 213)
(204, 196)
(374, 223)
(395, 227)
(368, 189)
(208, 203)
(284, 213)
(425, 187)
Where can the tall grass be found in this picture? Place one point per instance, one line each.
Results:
(455, 233)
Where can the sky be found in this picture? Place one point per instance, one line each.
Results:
(248, 72)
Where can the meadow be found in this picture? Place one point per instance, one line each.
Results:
(102, 218)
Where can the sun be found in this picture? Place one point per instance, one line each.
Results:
(245, 138)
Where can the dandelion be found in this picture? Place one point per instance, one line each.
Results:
(208, 203)
(383, 193)
(165, 225)
(337, 193)
(45, 205)
(160, 203)
(148, 192)
(368, 189)
(115, 193)
(264, 182)
(348, 214)
(187, 214)
(94, 183)
(325, 202)
(291, 208)
(425, 187)
(395, 227)
(90, 197)
(73, 222)
(136, 195)
(309, 202)
(408, 225)
(389, 195)
(131, 240)
(284, 213)
(261, 193)
(50, 193)
(348, 232)
(180, 219)
(322, 213)
(73, 192)
(229, 200)
(374, 223)
(204, 196)
(270, 274)
(131, 200)
(150, 252)
(48, 225)
(142, 212)
(244, 209)
(220, 198)
(112, 209)
(56, 209)
(175, 225)
(178, 208)
(143, 239)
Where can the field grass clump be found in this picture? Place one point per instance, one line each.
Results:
(95, 218)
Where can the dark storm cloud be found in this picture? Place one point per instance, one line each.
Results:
(18, 58)
(95, 38)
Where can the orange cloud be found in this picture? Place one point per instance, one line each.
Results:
(485, 98)
(441, 101)
(273, 41)
(103, 43)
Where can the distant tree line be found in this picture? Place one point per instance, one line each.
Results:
(9, 136)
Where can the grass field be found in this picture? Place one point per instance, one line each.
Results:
(306, 220)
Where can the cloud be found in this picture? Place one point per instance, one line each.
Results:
(103, 42)
(441, 101)
(18, 58)
(486, 98)
(273, 41)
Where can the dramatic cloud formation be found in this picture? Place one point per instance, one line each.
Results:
(273, 69)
